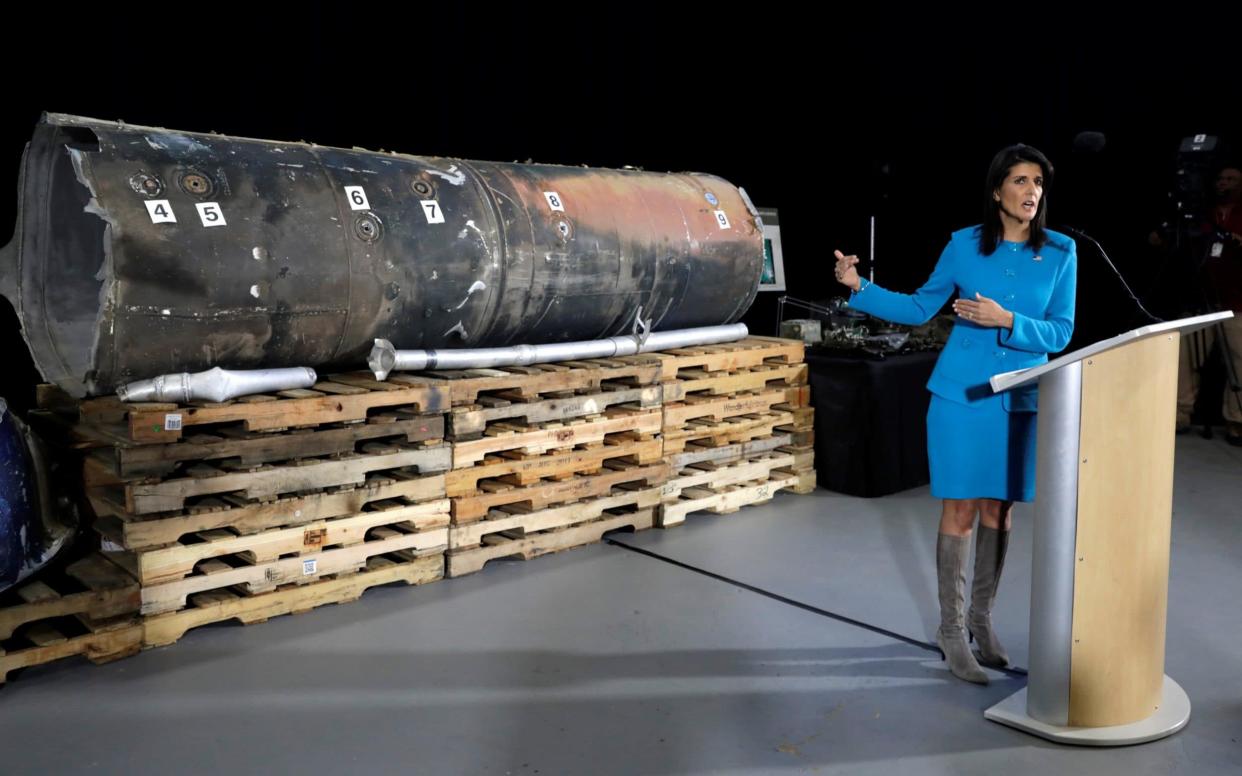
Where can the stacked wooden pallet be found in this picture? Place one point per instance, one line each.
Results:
(737, 426)
(268, 504)
(550, 457)
(88, 608)
(283, 502)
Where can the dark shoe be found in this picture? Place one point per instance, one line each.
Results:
(951, 556)
(991, 546)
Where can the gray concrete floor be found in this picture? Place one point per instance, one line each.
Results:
(603, 660)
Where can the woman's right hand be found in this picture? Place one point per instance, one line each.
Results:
(845, 272)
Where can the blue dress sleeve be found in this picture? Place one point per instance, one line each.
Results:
(1053, 332)
(912, 309)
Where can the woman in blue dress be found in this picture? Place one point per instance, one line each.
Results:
(1015, 284)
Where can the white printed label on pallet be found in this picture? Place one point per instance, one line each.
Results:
(172, 422)
(310, 566)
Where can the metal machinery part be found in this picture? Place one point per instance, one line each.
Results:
(37, 519)
(141, 252)
(385, 358)
(216, 384)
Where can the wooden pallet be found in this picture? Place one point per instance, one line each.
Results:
(516, 468)
(234, 570)
(705, 432)
(721, 454)
(221, 605)
(803, 418)
(678, 414)
(176, 561)
(234, 446)
(806, 482)
(518, 544)
(62, 431)
(52, 398)
(268, 481)
(89, 608)
(512, 518)
(537, 438)
(469, 422)
(716, 475)
(234, 512)
(728, 357)
(92, 587)
(497, 493)
(530, 383)
(729, 498)
(758, 378)
(100, 641)
(339, 398)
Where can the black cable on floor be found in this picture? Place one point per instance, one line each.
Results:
(798, 604)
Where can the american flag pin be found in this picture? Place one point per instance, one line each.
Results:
(1039, 258)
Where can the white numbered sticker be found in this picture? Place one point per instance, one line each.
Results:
(554, 200)
(210, 213)
(722, 220)
(172, 422)
(161, 211)
(1218, 250)
(310, 566)
(432, 210)
(357, 198)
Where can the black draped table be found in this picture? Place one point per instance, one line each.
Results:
(870, 421)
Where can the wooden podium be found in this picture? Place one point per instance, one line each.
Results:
(1100, 565)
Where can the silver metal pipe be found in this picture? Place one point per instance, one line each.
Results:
(385, 358)
(217, 384)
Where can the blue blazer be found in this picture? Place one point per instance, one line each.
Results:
(1038, 288)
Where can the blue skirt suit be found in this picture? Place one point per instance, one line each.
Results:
(981, 444)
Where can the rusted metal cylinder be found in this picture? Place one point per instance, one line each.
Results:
(141, 251)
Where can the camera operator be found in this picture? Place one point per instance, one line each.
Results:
(1219, 243)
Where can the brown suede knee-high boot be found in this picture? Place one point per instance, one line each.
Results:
(951, 557)
(990, 547)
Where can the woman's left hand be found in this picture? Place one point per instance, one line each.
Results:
(984, 312)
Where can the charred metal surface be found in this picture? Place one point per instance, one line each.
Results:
(272, 262)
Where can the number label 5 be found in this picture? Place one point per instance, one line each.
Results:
(210, 214)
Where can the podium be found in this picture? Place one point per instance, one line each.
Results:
(1100, 564)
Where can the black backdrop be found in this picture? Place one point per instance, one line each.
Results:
(802, 109)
